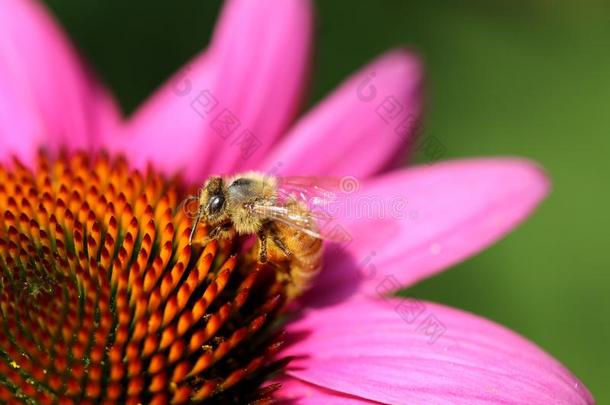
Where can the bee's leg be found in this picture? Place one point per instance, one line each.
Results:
(222, 231)
(278, 241)
(262, 245)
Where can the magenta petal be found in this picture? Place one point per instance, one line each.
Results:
(412, 223)
(297, 392)
(359, 129)
(227, 108)
(47, 97)
(409, 351)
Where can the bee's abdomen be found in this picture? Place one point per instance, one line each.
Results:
(305, 263)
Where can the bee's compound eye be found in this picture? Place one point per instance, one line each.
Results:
(215, 204)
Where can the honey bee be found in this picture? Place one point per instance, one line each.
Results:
(279, 211)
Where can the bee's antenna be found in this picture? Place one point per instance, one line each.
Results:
(197, 218)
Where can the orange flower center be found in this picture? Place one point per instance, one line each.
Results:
(102, 300)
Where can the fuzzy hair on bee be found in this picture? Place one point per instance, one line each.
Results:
(225, 204)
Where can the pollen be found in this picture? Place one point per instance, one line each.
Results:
(103, 299)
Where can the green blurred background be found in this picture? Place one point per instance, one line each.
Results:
(505, 78)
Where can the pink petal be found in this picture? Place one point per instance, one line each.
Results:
(411, 351)
(47, 97)
(297, 392)
(412, 223)
(362, 127)
(254, 73)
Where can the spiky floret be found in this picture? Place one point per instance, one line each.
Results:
(102, 300)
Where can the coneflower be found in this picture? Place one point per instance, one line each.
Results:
(104, 301)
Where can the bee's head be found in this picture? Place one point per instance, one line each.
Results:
(212, 201)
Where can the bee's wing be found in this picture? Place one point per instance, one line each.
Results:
(317, 194)
(300, 221)
(306, 204)
(315, 225)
